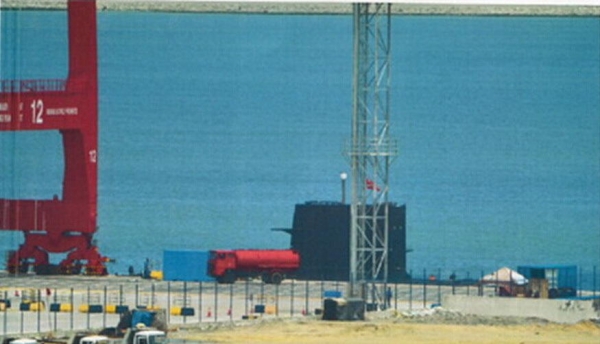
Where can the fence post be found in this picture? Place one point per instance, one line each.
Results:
(292, 299)
(39, 310)
(88, 312)
(277, 300)
(468, 283)
(216, 300)
(439, 284)
(384, 296)
(579, 284)
(153, 295)
(246, 287)
(424, 288)
(6, 306)
(306, 296)
(184, 300)
(452, 279)
(168, 301)
(104, 314)
(396, 295)
(322, 290)
(594, 292)
(54, 297)
(72, 308)
(200, 301)
(137, 294)
(480, 286)
(410, 296)
(22, 320)
(230, 311)
(122, 297)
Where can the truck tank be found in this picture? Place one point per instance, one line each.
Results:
(266, 259)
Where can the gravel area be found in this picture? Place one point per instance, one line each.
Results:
(313, 8)
(417, 326)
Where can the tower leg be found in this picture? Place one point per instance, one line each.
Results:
(26, 256)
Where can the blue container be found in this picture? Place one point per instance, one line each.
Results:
(144, 317)
(332, 294)
(122, 309)
(259, 309)
(55, 307)
(187, 311)
(558, 276)
(24, 306)
(190, 266)
(95, 309)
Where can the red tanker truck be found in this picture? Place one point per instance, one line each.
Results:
(271, 265)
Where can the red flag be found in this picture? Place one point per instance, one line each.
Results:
(371, 185)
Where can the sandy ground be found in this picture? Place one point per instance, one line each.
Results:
(395, 328)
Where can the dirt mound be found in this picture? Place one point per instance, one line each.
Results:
(443, 316)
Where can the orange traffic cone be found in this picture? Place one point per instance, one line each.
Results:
(16, 293)
(303, 311)
(209, 313)
(229, 312)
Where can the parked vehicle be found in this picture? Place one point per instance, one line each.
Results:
(19, 341)
(132, 336)
(136, 326)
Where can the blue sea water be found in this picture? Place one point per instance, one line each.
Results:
(213, 126)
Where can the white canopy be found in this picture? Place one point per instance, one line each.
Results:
(505, 275)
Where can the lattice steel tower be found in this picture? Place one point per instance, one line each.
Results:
(371, 149)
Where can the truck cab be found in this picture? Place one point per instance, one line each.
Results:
(96, 340)
(220, 261)
(148, 336)
(222, 265)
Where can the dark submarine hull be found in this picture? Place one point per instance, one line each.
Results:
(321, 234)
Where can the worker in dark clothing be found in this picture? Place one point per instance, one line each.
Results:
(388, 297)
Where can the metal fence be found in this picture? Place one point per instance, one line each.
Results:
(94, 306)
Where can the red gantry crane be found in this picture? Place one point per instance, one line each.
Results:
(66, 224)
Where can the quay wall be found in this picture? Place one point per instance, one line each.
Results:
(555, 310)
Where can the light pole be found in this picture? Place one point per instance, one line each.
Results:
(343, 177)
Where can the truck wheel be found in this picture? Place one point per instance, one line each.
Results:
(266, 278)
(276, 278)
(229, 277)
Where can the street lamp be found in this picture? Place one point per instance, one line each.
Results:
(343, 177)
